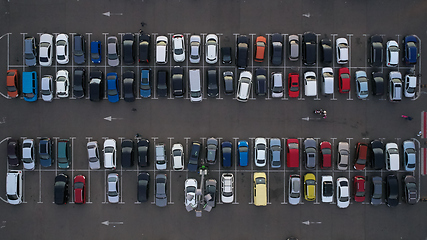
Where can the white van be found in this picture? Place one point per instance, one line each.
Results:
(195, 85)
(161, 50)
(327, 81)
(310, 84)
(14, 187)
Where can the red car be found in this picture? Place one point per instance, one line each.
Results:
(361, 156)
(293, 81)
(12, 83)
(359, 188)
(260, 49)
(79, 189)
(326, 154)
(292, 153)
(344, 80)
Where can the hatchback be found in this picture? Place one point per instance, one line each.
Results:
(326, 154)
(361, 156)
(178, 48)
(79, 83)
(260, 81)
(410, 85)
(260, 44)
(294, 196)
(79, 189)
(93, 155)
(143, 186)
(243, 152)
(377, 84)
(226, 55)
(211, 48)
(344, 80)
(211, 150)
(13, 154)
(30, 51)
(227, 154)
(128, 86)
(228, 77)
(112, 87)
(309, 187)
(113, 56)
(310, 153)
(95, 52)
(144, 48)
(277, 85)
(113, 188)
(96, 88)
(177, 78)
(227, 185)
(145, 86)
(62, 55)
(359, 188)
(276, 49)
(12, 83)
(63, 153)
(46, 88)
(45, 152)
(410, 189)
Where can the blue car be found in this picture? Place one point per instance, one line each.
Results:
(411, 53)
(45, 152)
(243, 151)
(95, 51)
(29, 86)
(145, 87)
(227, 149)
(112, 87)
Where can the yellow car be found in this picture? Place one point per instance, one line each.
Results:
(310, 187)
(260, 189)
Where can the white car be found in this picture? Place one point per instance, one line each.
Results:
(310, 84)
(178, 48)
(178, 157)
(227, 188)
(110, 153)
(362, 88)
(277, 88)
(46, 88)
(14, 187)
(195, 49)
(342, 50)
(260, 152)
(392, 53)
(93, 155)
(410, 85)
(28, 157)
(327, 189)
(211, 48)
(392, 161)
(327, 81)
(244, 86)
(45, 49)
(161, 160)
(62, 49)
(113, 188)
(343, 192)
(294, 196)
(190, 187)
(62, 84)
(161, 50)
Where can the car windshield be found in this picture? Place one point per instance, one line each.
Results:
(78, 185)
(343, 199)
(176, 152)
(112, 92)
(196, 94)
(191, 189)
(260, 180)
(94, 55)
(393, 151)
(243, 149)
(326, 151)
(109, 150)
(179, 51)
(45, 92)
(345, 75)
(142, 149)
(327, 189)
(226, 150)
(310, 182)
(227, 194)
(29, 95)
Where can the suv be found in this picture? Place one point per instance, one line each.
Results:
(14, 191)
(227, 184)
(161, 159)
(45, 152)
(395, 86)
(30, 51)
(193, 161)
(309, 44)
(242, 52)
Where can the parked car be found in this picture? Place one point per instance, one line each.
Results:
(62, 55)
(243, 151)
(377, 190)
(327, 81)
(113, 87)
(326, 51)
(178, 157)
(344, 80)
(228, 77)
(63, 156)
(128, 49)
(161, 50)
(195, 48)
(326, 154)
(96, 89)
(292, 152)
(212, 83)
(162, 83)
(113, 188)
(260, 152)
(410, 85)
(362, 89)
(128, 86)
(95, 52)
(227, 156)
(14, 189)
(260, 81)
(293, 47)
(275, 152)
(276, 49)
(12, 83)
(79, 49)
(113, 55)
(161, 197)
(409, 155)
(260, 189)
(277, 85)
(294, 196)
(178, 48)
(244, 86)
(410, 189)
(61, 189)
(392, 160)
(211, 48)
(310, 84)
(45, 50)
(79, 189)
(242, 52)
(46, 88)
(342, 50)
(377, 51)
(145, 85)
(361, 156)
(392, 191)
(161, 159)
(93, 155)
(392, 56)
(377, 85)
(309, 50)
(310, 150)
(45, 152)
(327, 189)
(411, 54)
(143, 186)
(127, 153)
(227, 188)
(143, 146)
(190, 187)
(226, 55)
(343, 155)
(210, 188)
(144, 48)
(395, 86)
(13, 153)
(79, 84)
(30, 86)
(30, 51)
(110, 153)
(377, 154)
(260, 44)
(211, 150)
(293, 85)
(62, 84)
(343, 192)
(309, 187)
(177, 78)
(193, 161)
(359, 188)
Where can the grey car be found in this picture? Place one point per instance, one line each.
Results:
(410, 192)
(211, 150)
(377, 190)
(310, 153)
(195, 49)
(113, 51)
(275, 152)
(343, 155)
(211, 189)
(93, 155)
(161, 198)
(30, 51)
(361, 84)
(409, 155)
(293, 47)
(79, 49)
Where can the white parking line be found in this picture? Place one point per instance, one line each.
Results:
(154, 168)
(72, 169)
(284, 169)
(88, 177)
(186, 154)
(236, 140)
(268, 68)
(89, 62)
(170, 170)
(105, 65)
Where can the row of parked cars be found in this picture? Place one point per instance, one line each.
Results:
(375, 154)
(309, 50)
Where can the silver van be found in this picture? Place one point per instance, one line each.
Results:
(195, 85)
(395, 86)
(14, 187)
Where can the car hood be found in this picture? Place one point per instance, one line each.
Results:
(161, 202)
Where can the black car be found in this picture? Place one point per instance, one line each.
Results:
(377, 51)
(128, 86)
(226, 55)
(326, 50)
(228, 77)
(162, 83)
(177, 79)
(309, 50)
(127, 153)
(377, 84)
(143, 145)
(377, 154)
(211, 189)
(410, 195)
(277, 49)
(242, 52)
(79, 49)
(193, 161)
(13, 153)
(128, 49)
(392, 191)
(261, 81)
(61, 189)
(144, 48)
(96, 89)
(143, 183)
(79, 83)
(212, 83)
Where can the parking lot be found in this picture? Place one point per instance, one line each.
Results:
(169, 120)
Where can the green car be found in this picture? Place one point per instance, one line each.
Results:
(63, 151)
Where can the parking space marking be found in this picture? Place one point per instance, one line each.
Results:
(119, 75)
(121, 173)
(88, 178)
(252, 66)
(153, 73)
(285, 74)
(203, 37)
(333, 65)
(186, 154)
(105, 65)
(169, 94)
(317, 173)
(219, 161)
(251, 161)
(72, 169)
(170, 170)
(268, 68)
(89, 62)
(302, 86)
(267, 152)
(284, 171)
(219, 67)
(236, 140)
(333, 167)
(23, 53)
(236, 75)
(154, 169)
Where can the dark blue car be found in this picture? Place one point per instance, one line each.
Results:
(95, 51)
(145, 87)
(227, 149)
(411, 53)
(193, 161)
(243, 151)
(112, 87)
(45, 152)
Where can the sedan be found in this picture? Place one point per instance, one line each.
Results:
(195, 48)
(377, 190)
(326, 50)
(79, 83)
(327, 189)
(128, 49)
(212, 83)
(45, 152)
(242, 52)
(410, 45)
(178, 48)
(79, 189)
(211, 48)
(128, 86)
(162, 83)
(61, 189)
(177, 79)
(344, 80)
(260, 81)
(392, 157)
(79, 49)
(145, 86)
(12, 83)
(142, 145)
(409, 155)
(112, 87)
(95, 52)
(93, 155)
(361, 84)
(260, 152)
(227, 188)
(193, 161)
(310, 187)
(309, 42)
(377, 154)
(113, 51)
(260, 44)
(228, 77)
(190, 187)
(361, 156)
(127, 153)
(144, 48)
(326, 154)
(143, 186)
(226, 55)
(110, 153)
(227, 149)
(392, 56)
(277, 49)
(410, 85)
(343, 155)
(211, 150)
(377, 84)
(210, 190)
(28, 154)
(45, 50)
(392, 191)
(343, 192)
(244, 86)
(113, 188)
(277, 85)
(342, 50)
(410, 189)
(293, 47)
(13, 153)
(359, 188)
(275, 152)
(62, 49)
(377, 51)
(62, 84)
(294, 196)
(293, 85)
(178, 157)
(161, 159)
(292, 152)
(161, 198)
(243, 152)
(310, 153)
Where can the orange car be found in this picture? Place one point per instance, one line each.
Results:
(12, 83)
(260, 48)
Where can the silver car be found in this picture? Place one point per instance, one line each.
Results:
(277, 88)
(275, 152)
(93, 155)
(377, 190)
(310, 153)
(113, 51)
(28, 157)
(409, 155)
(294, 196)
(227, 185)
(211, 150)
(161, 159)
(161, 198)
(293, 47)
(195, 49)
(343, 155)
(211, 48)
(361, 84)
(113, 188)
(46, 88)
